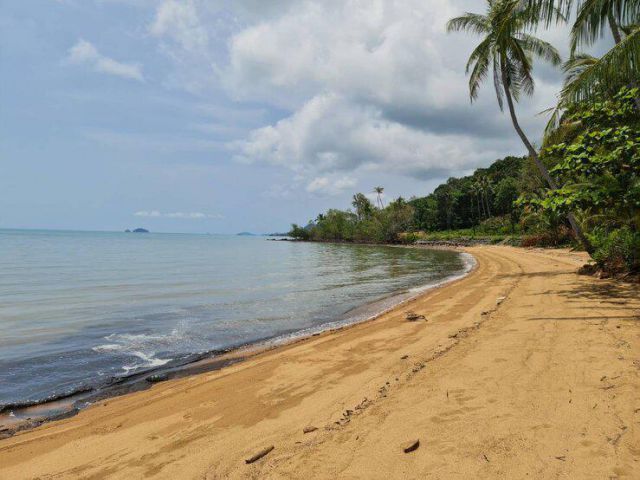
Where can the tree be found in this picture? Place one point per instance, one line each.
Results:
(485, 190)
(299, 232)
(364, 207)
(379, 191)
(599, 164)
(620, 65)
(593, 17)
(507, 49)
(573, 69)
(506, 195)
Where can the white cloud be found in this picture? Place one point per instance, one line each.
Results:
(362, 86)
(329, 186)
(179, 20)
(84, 52)
(181, 215)
(332, 134)
(371, 84)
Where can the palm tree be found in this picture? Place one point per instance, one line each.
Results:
(485, 186)
(621, 64)
(477, 190)
(573, 69)
(592, 19)
(364, 207)
(378, 191)
(507, 49)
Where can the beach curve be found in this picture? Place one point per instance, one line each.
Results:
(523, 369)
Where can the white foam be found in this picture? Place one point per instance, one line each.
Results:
(142, 346)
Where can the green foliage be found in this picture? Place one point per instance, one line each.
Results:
(367, 225)
(298, 232)
(364, 207)
(599, 167)
(467, 202)
(507, 47)
(617, 251)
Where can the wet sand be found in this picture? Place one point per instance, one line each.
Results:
(523, 369)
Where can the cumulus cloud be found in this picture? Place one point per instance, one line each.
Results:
(330, 133)
(84, 52)
(363, 85)
(180, 215)
(370, 84)
(330, 186)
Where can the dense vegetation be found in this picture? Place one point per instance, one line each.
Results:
(482, 205)
(583, 187)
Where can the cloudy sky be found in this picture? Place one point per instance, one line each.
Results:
(230, 115)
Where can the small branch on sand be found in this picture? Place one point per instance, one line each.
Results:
(259, 455)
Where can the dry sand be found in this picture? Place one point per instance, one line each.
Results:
(543, 384)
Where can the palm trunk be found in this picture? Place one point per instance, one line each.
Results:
(543, 170)
(617, 37)
(615, 30)
(487, 200)
(471, 199)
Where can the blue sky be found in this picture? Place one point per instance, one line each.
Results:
(221, 116)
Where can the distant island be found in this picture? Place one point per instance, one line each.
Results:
(246, 234)
(137, 230)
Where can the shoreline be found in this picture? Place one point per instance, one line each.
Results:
(24, 416)
(523, 369)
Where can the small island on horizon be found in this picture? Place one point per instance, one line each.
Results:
(137, 230)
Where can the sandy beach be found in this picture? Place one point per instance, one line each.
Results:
(522, 369)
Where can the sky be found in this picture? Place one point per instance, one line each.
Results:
(220, 116)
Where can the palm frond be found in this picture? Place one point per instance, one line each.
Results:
(577, 64)
(480, 58)
(619, 66)
(471, 22)
(540, 48)
(497, 83)
(591, 22)
(549, 11)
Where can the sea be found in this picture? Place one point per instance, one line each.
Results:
(79, 310)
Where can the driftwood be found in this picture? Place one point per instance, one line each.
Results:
(409, 447)
(259, 455)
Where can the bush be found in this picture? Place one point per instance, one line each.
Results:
(496, 226)
(617, 251)
(410, 238)
(559, 237)
(298, 232)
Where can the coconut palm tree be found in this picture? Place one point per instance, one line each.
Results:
(572, 68)
(364, 207)
(592, 19)
(621, 64)
(485, 188)
(507, 48)
(477, 190)
(379, 191)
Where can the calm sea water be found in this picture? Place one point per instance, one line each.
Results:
(79, 308)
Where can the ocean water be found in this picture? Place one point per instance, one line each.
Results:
(78, 309)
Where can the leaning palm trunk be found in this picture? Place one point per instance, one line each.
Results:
(541, 167)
